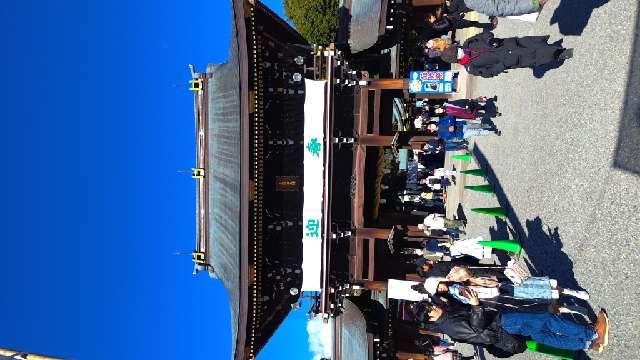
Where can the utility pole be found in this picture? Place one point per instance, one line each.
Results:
(12, 354)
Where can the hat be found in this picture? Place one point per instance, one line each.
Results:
(450, 55)
(431, 284)
(419, 263)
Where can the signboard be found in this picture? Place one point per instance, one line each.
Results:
(314, 105)
(287, 183)
(431, 82)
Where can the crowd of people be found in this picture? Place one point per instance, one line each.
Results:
(484, 54)
(466, 298)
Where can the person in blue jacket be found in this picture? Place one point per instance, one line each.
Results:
(452, 130)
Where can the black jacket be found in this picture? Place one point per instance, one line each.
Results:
(442, 268)
(458, 8)
(490, 56)
(478, 326)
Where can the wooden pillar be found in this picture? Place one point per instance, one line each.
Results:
(375, 140)
(373, 233)
(376, 112)
(375, 285)
(413, 277)
(430, 333)
(389, 84)
(401, 355)
(426, 2)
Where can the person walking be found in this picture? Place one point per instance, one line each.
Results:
(439, 222)
(449, 22)
(487, 56)
(474, 324)
(452, 130)
(534, 288)
(499, 8)
(469, 109)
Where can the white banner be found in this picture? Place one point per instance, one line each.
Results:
(401, 289)
(314, 104)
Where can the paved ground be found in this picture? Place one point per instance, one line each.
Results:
(566, 165)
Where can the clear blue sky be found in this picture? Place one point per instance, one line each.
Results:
(96, 121)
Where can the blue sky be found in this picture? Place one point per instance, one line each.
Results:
(96, 121)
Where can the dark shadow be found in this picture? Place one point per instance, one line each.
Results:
(342, 34)
(572, 16)
(540, 71)
(460, 214)
(542, 245)
(627, 155)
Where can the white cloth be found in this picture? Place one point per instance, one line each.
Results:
(410, 198)
(431, 284)
(470, 247)
(532, 17)
(485, 292)
(401, 289)
(314, 105)
(437, 185)
(442, 172)
(434, 222)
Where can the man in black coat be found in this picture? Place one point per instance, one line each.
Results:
(487, 56)
(472, 324)
(507, 332)
(454, 21)
(428, 268)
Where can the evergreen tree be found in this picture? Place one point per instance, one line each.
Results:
(315, 20)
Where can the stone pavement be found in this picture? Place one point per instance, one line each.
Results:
(557, 167)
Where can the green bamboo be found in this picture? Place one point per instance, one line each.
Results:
(480, 188)
(464, 157)
(474, 172)
(511, 246)
(494, 211)
(548, 350)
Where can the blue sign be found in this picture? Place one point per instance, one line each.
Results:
(431, 82)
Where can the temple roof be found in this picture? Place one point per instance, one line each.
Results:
(224, 176)
(364, 23)
(353, 333)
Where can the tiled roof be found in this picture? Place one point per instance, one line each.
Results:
(364, 24)
(224, 176)
(353, 333)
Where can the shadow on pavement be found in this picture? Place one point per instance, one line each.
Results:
(627, 154)
(542, 245)
(540, 71)
(572, 16)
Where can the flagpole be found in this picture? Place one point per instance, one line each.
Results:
(12, 354)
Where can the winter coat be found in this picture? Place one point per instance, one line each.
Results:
(443, 128)
(460, 112)
(440, 44)
(442, 268)
(503, 7)
(458, 8)
(489, 56)
(476, 325)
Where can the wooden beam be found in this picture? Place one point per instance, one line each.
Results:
(372, 233)
(375, 285)
(401, 355)
(375, 140)
(372, 263)
(389, 84)
(417, 3)
(362, 115)
(376, 111)
(357, 202)
(382, 23)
